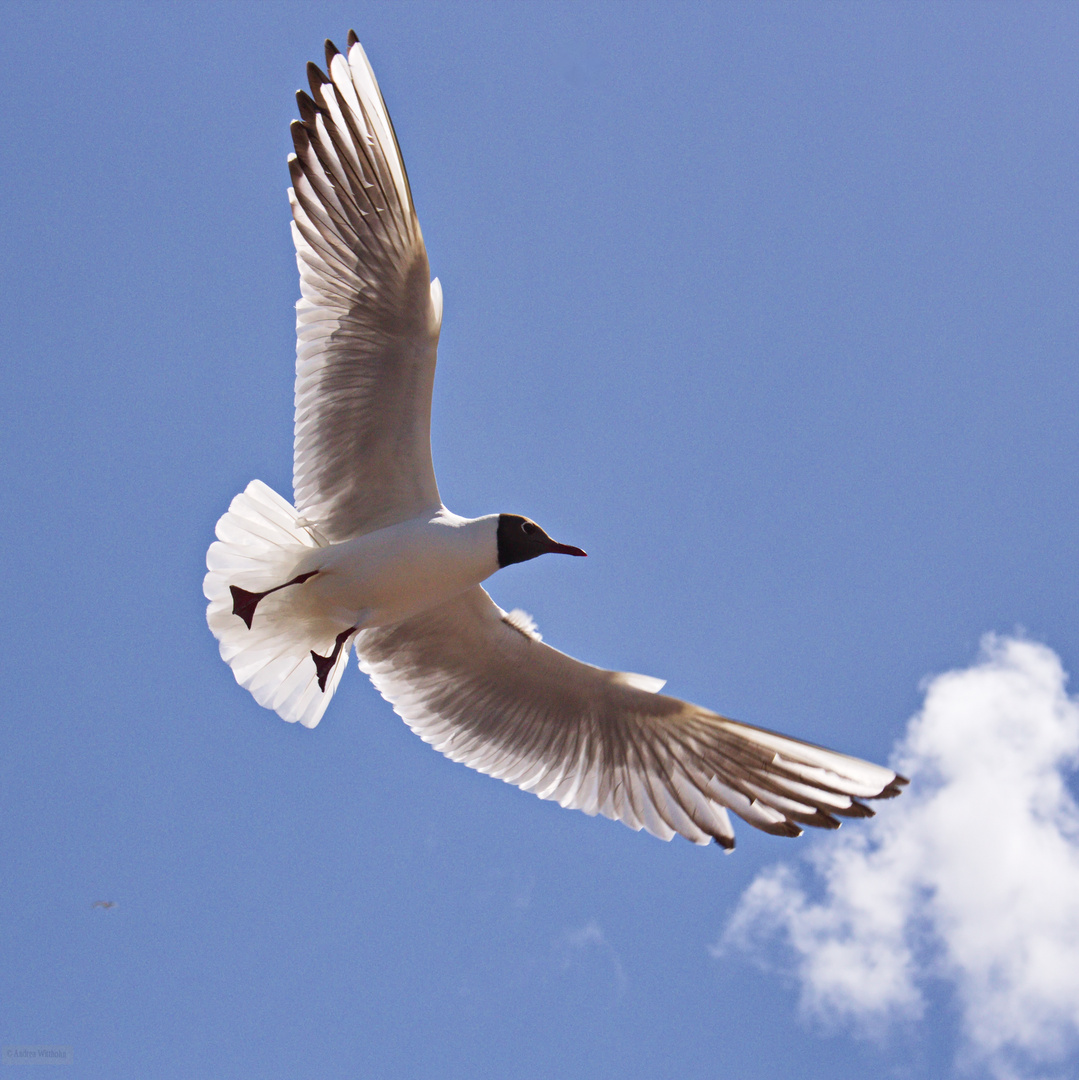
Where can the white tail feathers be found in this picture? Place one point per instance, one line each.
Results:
(262, 543)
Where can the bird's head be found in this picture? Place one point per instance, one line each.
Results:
(521, 539)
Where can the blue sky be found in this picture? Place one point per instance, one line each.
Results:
(771, 308)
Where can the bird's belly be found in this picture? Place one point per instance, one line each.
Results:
(373, 583)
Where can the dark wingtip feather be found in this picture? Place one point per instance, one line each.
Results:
(331, 51)
(781, 828)
(725, 842)
(299, 132)
(894, 788)
(300, 140)
(315, 79)
(352, 39)
(855, 810)
(820, 820)
(308, 109)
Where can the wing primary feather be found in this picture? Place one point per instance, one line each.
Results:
(320, 183)
(310, 145)
(312, 205)
(315, 78)
(362, 144)
(399, 161)
(894, 789)
(331, 52)
(344, 140)
(336, 169)
(855, 810)
(666, 776)
(319, 82)
(308, 109)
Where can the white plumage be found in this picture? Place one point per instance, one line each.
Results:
(370, 558)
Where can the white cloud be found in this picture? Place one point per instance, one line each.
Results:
(574, 945)
(971, 877)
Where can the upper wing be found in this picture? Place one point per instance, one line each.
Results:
(368, 321)
(481, 687)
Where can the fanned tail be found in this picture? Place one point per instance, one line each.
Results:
(257, 568)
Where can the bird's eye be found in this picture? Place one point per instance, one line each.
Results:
(529, 528)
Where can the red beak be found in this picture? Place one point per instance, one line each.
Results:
(565, 549)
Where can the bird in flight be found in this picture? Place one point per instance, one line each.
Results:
(106, 904)
(369, 559)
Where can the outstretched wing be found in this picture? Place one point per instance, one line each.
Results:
(479, 686)
(368, 320)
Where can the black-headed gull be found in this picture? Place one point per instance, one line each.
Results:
(370, 558)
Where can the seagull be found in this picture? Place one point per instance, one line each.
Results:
(369, 559)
